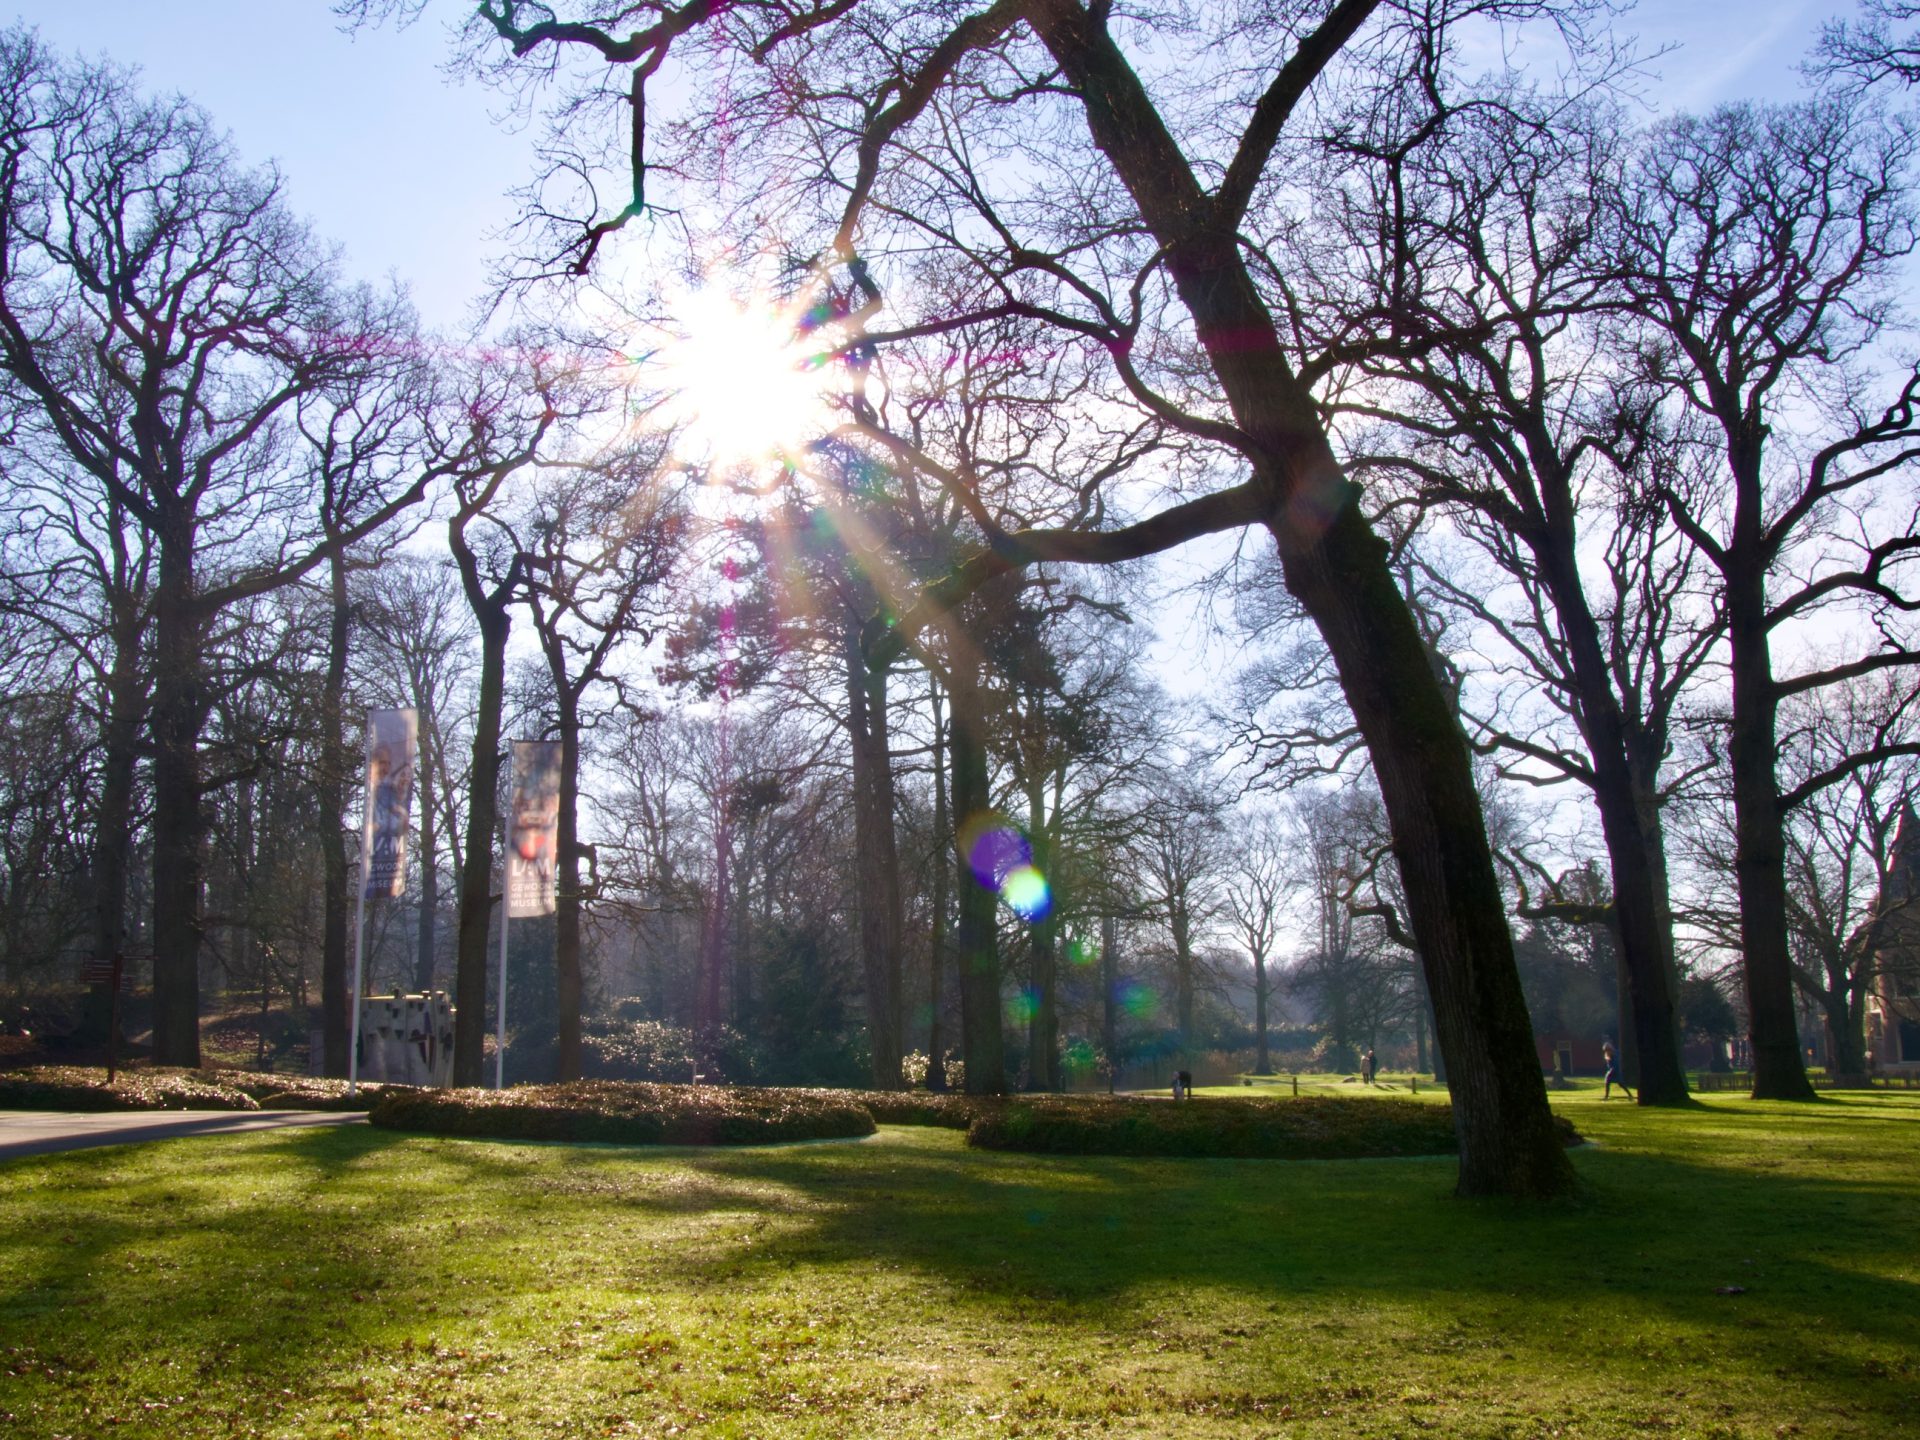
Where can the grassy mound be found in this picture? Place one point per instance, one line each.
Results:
(84, 1087)
(918, 1107)
(626, 1113)
(1307, 1129)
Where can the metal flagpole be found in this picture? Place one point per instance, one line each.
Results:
(506, 909)
(359, 947)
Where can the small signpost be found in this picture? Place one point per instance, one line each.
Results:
(113, 974)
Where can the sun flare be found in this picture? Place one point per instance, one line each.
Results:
(745, 387)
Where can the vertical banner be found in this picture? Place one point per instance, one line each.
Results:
(388, 812)
(533, 822)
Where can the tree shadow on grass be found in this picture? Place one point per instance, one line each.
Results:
(352, 1232)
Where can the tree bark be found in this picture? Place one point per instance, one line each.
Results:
(336, 1010)
(179, 822)
(476, 877)
(977, 940)
(1779, 1072)
(1643, 927)
(882, 924)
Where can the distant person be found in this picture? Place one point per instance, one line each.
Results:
(1369, 1066)
(1613, 1073)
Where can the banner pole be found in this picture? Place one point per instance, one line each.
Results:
(500, 1038)
(359, 946)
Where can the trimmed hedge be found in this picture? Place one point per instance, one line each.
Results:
(625, 1113)
(1315, 1128)
(84, 1087)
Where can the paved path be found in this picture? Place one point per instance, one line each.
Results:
(41, 1132)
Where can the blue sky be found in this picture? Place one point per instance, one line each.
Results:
(410, 171)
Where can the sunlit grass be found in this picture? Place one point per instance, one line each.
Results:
(1738, 1269)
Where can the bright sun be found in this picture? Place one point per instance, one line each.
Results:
(744, 389)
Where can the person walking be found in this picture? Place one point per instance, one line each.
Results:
(1608, 1054)
(1369, 1066)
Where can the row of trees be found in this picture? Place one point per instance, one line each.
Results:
(1582, 445)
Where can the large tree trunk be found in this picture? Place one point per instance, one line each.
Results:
(336, 1011)
(1338, 568)
(179, 714)
(977, 940)
(476, 876)
(1642, 927)
(1779, 1073)
(881, 922)
(566, 915)
(1508, 1143)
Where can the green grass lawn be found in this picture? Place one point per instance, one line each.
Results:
(366, 1283)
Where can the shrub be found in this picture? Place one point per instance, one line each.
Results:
(625, 1113)
(1317, 1128)
(83, 1087)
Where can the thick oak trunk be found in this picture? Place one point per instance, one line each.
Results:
(178, 716)
(476, 877)
(882, 924)
(1643, 926)
(1779, 1072)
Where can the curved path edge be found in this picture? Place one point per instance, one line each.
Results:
(46, 1132)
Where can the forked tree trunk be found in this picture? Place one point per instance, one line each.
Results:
(1643, 928)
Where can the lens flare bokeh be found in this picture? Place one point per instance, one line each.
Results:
(1001, 859)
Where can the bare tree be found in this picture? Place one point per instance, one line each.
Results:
(1760, 247)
